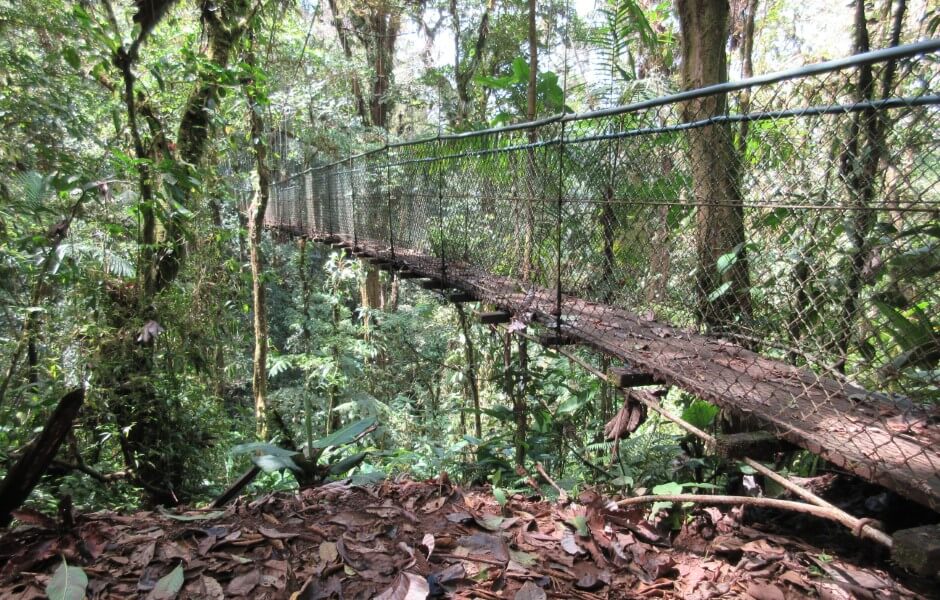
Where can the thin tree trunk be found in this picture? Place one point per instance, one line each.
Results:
(259, 379)
(859, 168)
(518, 401)
(471, 374)
(304, 292)
(370, 292)
(25, 473)
(533, 64)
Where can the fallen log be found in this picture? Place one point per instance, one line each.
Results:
(38, 455)
(233, 490)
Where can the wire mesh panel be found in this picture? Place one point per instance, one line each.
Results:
(771, 245)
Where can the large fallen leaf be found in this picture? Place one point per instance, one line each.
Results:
(209, 589)
(407, 586)
(67, 583)
(169, 585)
(491, 546)
(243, 584)
(328, 552)
(570, 545)
(530, 591)
(759, 590)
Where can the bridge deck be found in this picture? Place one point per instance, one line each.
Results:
(866, 434)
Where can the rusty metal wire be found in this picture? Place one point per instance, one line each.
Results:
(772, 245)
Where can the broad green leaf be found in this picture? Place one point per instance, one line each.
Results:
(726, 261)
(719, 291)
(270, 463)
(909, 334)
(169, 585)
(570, 406)
(700, 413)
(347, 464)
(262, 448)
(344, 435)
(67, 583)
(579, 522)
(500, 495)
(667, 489)
(623, 481)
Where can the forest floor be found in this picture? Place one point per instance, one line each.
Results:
(409, 540)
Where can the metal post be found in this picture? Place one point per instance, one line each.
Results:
(352, 195)
(388, 198)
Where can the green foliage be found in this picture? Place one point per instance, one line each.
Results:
(550, 98)
(700, 414)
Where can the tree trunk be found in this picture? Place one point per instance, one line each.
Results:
(259, 379)
(124, 367)
(859, 168)
(723, 297)
(471, 373)
(304, 292)
(519, 412)
(464, 73)
(26, 472)
(533, 64)
(370, 292)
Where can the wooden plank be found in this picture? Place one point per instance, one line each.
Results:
(494, 317)
(917, 550)
(553, 340)
(410, 275)
(459, 297)
(434, 284)
(759, 445)
(626, 377)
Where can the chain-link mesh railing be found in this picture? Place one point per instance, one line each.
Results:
(771, 245)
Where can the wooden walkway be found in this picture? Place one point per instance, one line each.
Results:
(865, 434)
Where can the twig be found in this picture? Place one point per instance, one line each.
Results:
(823, 512)
(486, 561)
(562, 494)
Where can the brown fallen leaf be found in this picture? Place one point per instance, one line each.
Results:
(407, 586)
(328, 552)
(759, 590)
(29, 516)
(244, 583)
(530, 591)
(485, 544)
(142, 556)
(205, 588)
(434, 505)
(570, 545)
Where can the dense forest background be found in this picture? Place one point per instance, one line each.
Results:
(139, 142)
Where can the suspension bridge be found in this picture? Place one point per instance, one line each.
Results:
(770, 245)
